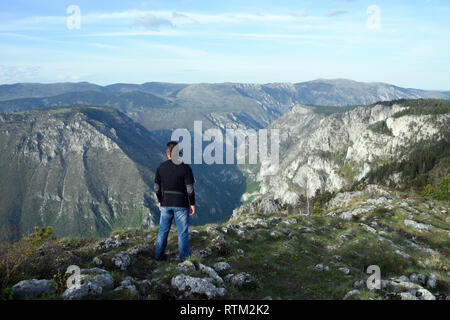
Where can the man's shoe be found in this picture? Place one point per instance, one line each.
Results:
(164, 257)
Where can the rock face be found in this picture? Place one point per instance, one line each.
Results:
(328, 152)
(245, 99)
(86, 171)
(78, 169)
(33, 289)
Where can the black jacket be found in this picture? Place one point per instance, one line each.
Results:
(174, 185)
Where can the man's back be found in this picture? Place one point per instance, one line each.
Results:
(174, 185)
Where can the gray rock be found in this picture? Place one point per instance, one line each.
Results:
(402, 254)
(417, 225)
(413, 277)
(424, 294)
(275, 234)
(321, 267)
(138, 250)
(352, 295)
(398, 286)
(93, 282)
(97, 261)
(404, 278)
(432, 281)
(205, 252)
(345, 270)
(110, 243)
(240, 280)
(306, 230)
(186, 266)
(211, 273)
(269, 205)
(350, 215)
(422, 279)
(290, 221)
(221, 267)
(33, 289)
(86, 289)
(122, 260)
(144, 287)
(408, 296)
(99, 276)
(370, 229)
(197, 286)
(128, 287)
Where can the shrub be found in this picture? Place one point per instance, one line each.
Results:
(439, 191)
(380, 127)
(14, 256)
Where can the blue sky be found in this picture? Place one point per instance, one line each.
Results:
(406, 43)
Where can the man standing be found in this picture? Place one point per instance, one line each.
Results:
(174, 187)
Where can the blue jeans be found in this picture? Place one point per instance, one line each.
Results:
(182, 221)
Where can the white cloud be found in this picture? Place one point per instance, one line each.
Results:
(18, 73)
(165, 33)
(299, 13)
(152, 22)
(336, 12)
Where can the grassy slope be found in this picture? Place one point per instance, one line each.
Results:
(283, 262)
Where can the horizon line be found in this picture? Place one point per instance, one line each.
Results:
(224, 82)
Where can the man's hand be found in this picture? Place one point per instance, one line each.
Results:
(191, 210)
(159, 206)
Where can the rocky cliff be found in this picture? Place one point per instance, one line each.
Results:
(160, 106)
(83, 170)
(328, 152)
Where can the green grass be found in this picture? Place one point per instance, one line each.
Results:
(282, 267)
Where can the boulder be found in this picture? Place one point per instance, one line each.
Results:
(221, 267)
(186, 266)
(432, 281)
(210, 272)
(128, 287)
(398, 286)
(122, 260)
(93, 282)
(417, 225)
(86, 289)
(352, 295)
(408, 296)
(97, 261)
(33, 289)
(191, 286)
(109, 243)
(240, 280)
(424, 294)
